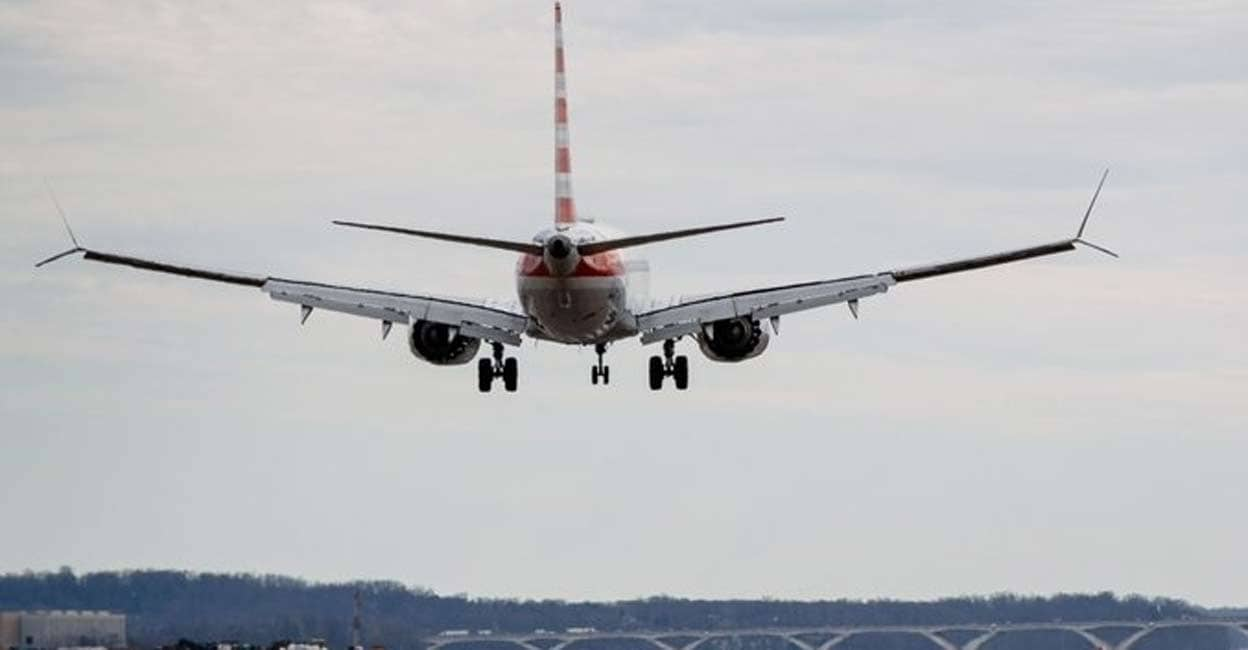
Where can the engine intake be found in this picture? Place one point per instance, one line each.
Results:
(442, 345)
(733, 339)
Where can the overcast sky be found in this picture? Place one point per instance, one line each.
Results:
(1074, 423)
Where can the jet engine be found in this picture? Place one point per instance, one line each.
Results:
(733, 339)
(442, 345)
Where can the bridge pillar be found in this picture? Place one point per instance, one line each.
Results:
(1095, 641)
(1130, 641)
(676, 640)
(833, 640)
(941, 642)
(979, 641)
(796, 641)
(658, 641)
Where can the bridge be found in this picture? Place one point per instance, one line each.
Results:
(1099, 635)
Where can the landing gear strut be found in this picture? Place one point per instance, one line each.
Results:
(601, 371)
(669, 365)
(497, 367)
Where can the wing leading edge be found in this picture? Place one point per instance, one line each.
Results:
(479, 320)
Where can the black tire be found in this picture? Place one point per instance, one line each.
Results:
(656, 373)
(606, 375)
(485, 375)
(511, 374)
(593, 375)
(681, 372)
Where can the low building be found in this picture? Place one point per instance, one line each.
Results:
(51, 630)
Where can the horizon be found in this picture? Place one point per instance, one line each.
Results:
(421, 590)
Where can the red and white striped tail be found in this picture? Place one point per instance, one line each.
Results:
(565, 208)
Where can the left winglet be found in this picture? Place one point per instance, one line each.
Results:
(65, 221)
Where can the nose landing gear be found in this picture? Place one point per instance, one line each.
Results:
(669, 365)
(600, 371)
(488, 370)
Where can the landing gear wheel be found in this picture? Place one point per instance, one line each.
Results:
(497, 367)
(601, 370)
(511, 374)
(680, 372)
(669, 365)
(485, 375)
(656, 373)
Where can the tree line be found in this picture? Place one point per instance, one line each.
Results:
(164, 606)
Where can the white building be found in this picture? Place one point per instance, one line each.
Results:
(51, 630)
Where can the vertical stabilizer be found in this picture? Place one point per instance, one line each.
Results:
(565, 209)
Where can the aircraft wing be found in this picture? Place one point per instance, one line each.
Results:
(688, 316)
(479, 320)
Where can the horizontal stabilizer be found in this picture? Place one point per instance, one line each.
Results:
(586, 249)
(594, 248)
(500, 244)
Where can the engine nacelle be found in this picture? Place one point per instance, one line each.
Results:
(732, 340)
(442, 345)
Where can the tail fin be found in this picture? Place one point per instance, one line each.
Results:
(565, 208)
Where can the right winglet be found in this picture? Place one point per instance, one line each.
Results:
(73, 238)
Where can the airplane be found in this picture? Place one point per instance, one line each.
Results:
(576, 285)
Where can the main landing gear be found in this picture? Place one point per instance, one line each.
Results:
(669, 365)
(497, 367)
(601, 371)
